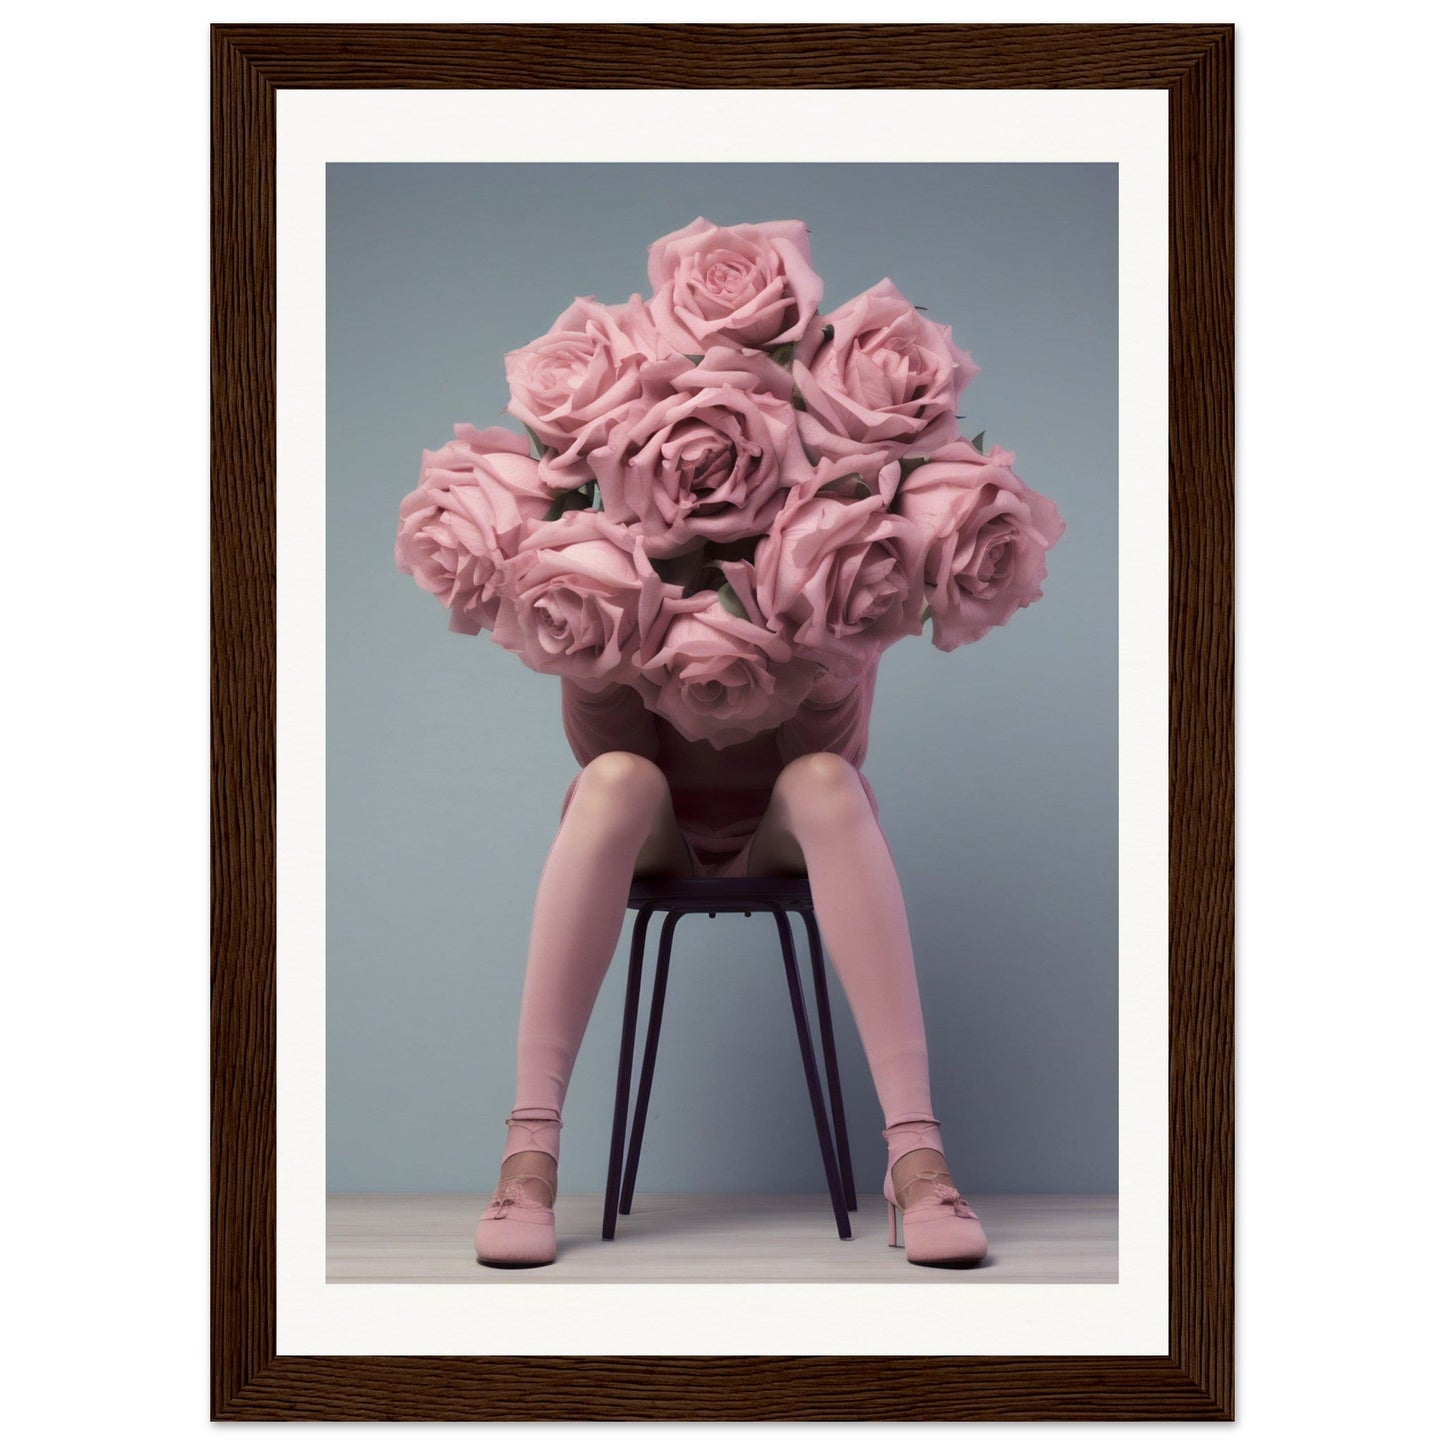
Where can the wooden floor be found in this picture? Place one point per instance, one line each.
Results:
(709, 1238)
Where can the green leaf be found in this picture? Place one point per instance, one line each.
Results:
(538, 450)
(910, 464)
(730, 600)
(783, 355)
(696, 360)
(575, 501)
(851, 488)
(927, 613)
(977, 442)
(828, 333)
(798, 403)
(596, 496)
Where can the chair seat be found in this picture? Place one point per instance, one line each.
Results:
(720, 895)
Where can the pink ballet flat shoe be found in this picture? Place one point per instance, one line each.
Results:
(939, 1230)
(516, 1231)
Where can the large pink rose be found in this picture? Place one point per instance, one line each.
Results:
(715, 676)
(987, 535)
(476, 497)
(569, 600)
(567, 383)
(706, 453)
(747, 286)
(885, 378)
(838, 574)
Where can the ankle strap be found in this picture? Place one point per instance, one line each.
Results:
(536, 1134)
(904, 1128)
(909, 1134)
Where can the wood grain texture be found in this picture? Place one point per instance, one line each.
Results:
(645, 57)
(243, 725)
(1201, 718)
(1195, 1380)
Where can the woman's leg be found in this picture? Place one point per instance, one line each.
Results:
(821, 822)
(619, 824)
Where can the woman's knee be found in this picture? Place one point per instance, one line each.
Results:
(823, 784)
(619, 777)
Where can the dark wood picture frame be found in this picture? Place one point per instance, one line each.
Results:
(1195, 1380)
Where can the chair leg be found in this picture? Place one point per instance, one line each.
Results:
(624, 1070)
(830, 1059)
(810, 1070)
(649, 1060)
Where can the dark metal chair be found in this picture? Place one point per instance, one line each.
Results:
(674, 898)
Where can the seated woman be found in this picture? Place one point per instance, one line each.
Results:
(791, 800)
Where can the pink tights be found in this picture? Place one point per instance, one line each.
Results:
(620, 821)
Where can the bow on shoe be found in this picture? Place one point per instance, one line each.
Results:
(947, 1194)
(509, 1192)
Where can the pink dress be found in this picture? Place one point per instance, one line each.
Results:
(720, 794)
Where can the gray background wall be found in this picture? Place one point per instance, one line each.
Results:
(995, 766)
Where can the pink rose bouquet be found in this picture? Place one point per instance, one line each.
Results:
(731, 498)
